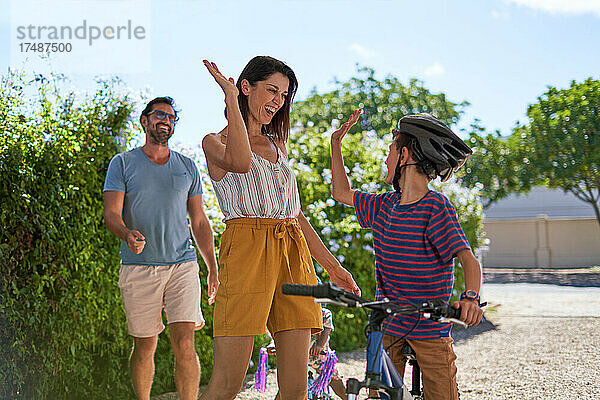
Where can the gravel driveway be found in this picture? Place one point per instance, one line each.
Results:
(540, 342)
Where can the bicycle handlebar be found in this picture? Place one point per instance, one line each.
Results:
(323, 291)
(438, 309)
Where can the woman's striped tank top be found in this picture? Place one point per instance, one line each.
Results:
(268, 190)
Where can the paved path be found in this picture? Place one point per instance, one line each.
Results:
(579, 277)
(538, 300)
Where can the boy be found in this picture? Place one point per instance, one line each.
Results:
(416, 236)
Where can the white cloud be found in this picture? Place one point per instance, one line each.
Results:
(361, 50)
(436, 69)
(562, 6)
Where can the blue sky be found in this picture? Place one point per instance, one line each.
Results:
(499, 55)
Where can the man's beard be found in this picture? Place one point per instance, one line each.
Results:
(159, 136)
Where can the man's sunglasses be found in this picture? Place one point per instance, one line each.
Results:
(162, 115)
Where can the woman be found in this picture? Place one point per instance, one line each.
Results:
(268, 241)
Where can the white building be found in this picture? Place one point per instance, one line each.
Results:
(542, 229)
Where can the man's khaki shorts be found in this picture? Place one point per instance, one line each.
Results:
(435, 357)
(256, 257)
(146, 290)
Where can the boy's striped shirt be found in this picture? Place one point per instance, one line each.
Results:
(415, 245)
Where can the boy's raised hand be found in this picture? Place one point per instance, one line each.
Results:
(337, 136)
(340, 186)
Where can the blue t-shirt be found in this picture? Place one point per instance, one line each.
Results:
(414, 249)
(155, 205)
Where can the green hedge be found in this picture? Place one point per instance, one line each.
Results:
(62, 331)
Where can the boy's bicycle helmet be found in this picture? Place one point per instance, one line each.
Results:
(438, 151)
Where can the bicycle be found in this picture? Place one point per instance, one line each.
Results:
(381, 375)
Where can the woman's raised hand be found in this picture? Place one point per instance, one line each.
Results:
(228, 85)
(337, 136)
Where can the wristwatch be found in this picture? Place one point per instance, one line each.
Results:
(470, 295)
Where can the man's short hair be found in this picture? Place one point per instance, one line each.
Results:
(165, 99)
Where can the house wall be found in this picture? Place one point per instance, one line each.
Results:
(542, 242)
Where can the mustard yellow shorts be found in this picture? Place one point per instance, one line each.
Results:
(256, 257)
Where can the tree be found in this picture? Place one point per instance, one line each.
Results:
(384, 102)
(562, 140)
(498, 166)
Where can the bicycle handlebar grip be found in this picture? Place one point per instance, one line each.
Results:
(319, 291)
(297, 289)
(452, 313)
(323, 291)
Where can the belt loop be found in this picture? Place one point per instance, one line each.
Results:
(257, 220)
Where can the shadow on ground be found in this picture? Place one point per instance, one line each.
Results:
(583, 277)
(461, 334)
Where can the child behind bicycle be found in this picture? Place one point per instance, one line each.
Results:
(319, 347)
(416, 236)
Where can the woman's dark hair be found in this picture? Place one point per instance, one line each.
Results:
(259, 69)
(165, 99)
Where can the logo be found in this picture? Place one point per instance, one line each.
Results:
(88, 36)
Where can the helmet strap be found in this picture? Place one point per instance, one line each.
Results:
(398, 175)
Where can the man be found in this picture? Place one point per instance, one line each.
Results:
(148, 193)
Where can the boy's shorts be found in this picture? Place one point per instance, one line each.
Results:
(436, 359)
(147, 289)
(256, 257)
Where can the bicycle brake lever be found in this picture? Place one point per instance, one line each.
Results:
(329, 301)
(455, 321)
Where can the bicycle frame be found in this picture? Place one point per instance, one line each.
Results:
(381, 374)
